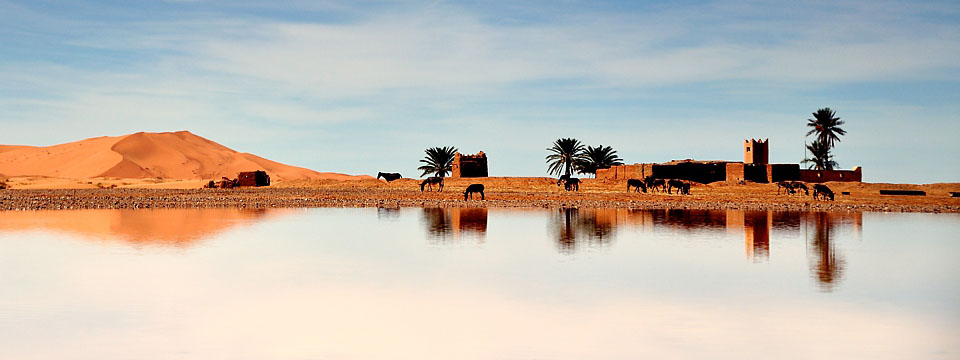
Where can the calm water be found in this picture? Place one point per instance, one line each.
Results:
(478, 284)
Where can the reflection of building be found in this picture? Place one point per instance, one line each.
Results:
(594, 227)
(756, 226)
(442, 223)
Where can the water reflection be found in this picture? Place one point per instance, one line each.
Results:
(827, 264)
(573, 228)
(166, 227)
(451, 223)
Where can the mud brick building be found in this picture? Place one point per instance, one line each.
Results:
(755, 168)
(469, 166)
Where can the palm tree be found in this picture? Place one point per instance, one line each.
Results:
(595, 158)
(820, 158)
(565, 153)
(826, 125)
(438, 161)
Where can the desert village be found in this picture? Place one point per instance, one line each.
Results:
(171, 170)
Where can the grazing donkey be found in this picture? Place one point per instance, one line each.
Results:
(572, 184)
(473, 188)
(652, 183)
(786, 186)
(563, 179)
(430, 181)
(388, 176)
(674, 183)
(637, 183)
(821, 190)
(799, 185)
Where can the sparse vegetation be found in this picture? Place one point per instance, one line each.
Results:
(826, 126)
(596, 158)
(439, 161)
(566, 153)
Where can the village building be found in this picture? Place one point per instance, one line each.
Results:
(469, 166)
(754, 168)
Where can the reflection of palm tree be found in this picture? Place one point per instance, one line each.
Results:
(438, 161)
(826, 125)
(595, 158)
(437, 221)
(573, 225)
(565, 154)
(820, 157)
(829, 266)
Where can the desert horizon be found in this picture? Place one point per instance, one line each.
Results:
(423, 179)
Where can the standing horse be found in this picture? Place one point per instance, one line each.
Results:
(637, 183)
(821, 190)
(473, 188)
(430, 181)
(388, 176)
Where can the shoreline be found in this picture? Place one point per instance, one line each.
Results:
(383, 195)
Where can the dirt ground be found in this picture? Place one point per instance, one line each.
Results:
(47, 193)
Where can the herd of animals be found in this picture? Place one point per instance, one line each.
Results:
(668, 186)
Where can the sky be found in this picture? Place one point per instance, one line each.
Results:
(365, 86)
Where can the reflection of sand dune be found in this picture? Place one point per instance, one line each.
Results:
(167, 227)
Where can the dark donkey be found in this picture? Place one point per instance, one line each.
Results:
(652, 183)
(821, 190)
(572, 184)
(473, 188)
(388, 176)
(563, 179)
(430, 181)
(637, 183)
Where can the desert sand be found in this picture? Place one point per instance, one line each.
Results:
(138, 159)
(536, 192)
(167, 170)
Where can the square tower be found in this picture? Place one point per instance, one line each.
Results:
(756, 151)
(469, 166)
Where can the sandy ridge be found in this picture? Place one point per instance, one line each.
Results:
(167, 155)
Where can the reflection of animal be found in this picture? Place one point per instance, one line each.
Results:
(572, 184)
(637, 183)
(821, 190)
(473, 188)
(655, 183)
(430, 181)
(388, 176)
(563, 179)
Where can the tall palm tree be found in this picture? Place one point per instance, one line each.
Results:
(595, 158)
(820, 158)
(565, 153)
(826, 125)
(439, 161)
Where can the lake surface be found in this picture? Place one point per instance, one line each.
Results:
(478, 284)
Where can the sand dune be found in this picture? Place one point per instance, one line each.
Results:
(176, 155)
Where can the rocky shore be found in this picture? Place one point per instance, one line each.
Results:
(535, 194)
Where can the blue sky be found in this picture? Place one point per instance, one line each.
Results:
(360, 87)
